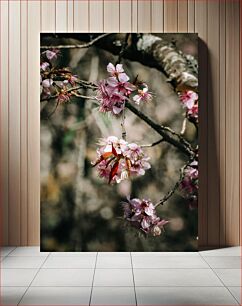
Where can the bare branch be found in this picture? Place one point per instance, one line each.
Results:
(84, 97)
(54, 110)
(168, 134)
(79, 46)
(181, 138)
(175, 187)
(148, 49)
(152, 144)
(71, 90)
(87, 84)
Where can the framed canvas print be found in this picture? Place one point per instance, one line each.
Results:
(119, 142)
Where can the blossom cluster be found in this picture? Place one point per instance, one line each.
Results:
(142, 215)
(53, 81)
(118, 160)
(116, 89)
(189, 184)
(189, 100)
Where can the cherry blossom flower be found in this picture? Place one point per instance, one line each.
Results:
(45, 93)
(143, 95)
(189, 184)
(119, 79)
(142, 215)
(46, 88)
(115, 71)
(121, 84)
(118, 160)
(116, 89)
(193, 112)
(188, 98)
(110, 100)
(47, 83)
(44, 66)
(52, 54)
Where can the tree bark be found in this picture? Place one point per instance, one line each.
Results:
(148, 49)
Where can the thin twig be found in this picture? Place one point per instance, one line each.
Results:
(181, 138)
(87, 84)
(167, 133)
(74, 46)
(84, 97)
(70, 90)
(175, 187)
(152, 144)
(54, 110)
(56, 95)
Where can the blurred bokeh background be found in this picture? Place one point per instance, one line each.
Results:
(79, 210)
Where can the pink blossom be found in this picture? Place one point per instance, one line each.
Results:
(188, 98)
(45, 93)
(143, 95)
(117, 161)
(44, 66)
(113, 91)
(121, 84)
(193, 112)
(52, 54)
(139, 165)
(47, 83)
(189, 184)
(117, 72)
(119, 79)
(142, 215)
(110, 100)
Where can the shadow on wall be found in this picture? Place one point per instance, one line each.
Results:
(209, 173)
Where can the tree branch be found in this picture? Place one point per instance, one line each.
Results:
(165, 132)
(152, 144)
(70, 90)
(79, 46)
(175, 187)
(148, 49)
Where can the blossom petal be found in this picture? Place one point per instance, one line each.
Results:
(117, 110)
(47, 83)
(137, 99)
(119, 68)
(123, 78)
(110, 68)
(129, 86)
(112, 81)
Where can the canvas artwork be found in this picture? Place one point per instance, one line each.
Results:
(119, 142)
